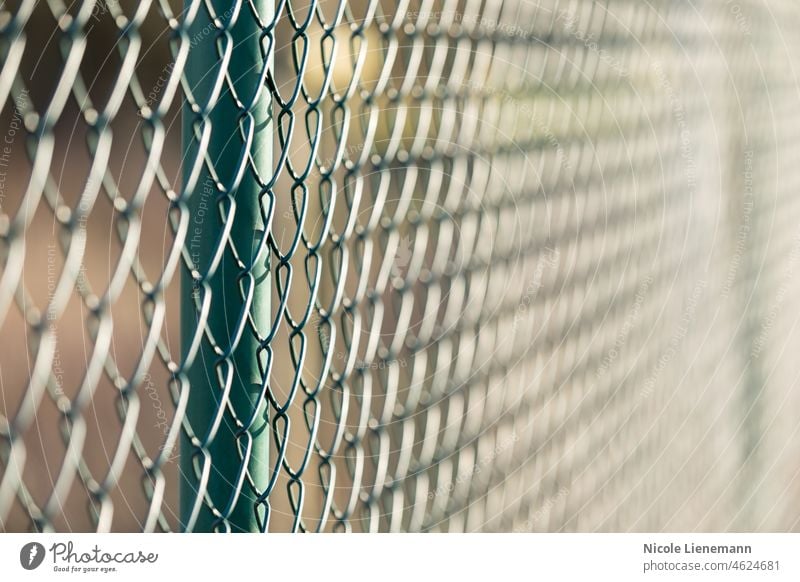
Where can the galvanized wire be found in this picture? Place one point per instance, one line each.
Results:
(532, 264)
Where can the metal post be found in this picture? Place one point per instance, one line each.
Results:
(234, 349)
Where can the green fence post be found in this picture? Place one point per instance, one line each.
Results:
(208, 201)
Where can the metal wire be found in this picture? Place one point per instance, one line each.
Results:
(528, 265)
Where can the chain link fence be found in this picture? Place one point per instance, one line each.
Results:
(455, 265)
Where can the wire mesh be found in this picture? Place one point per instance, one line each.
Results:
(521, 265)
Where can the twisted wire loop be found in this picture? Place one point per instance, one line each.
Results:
(419, 265)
